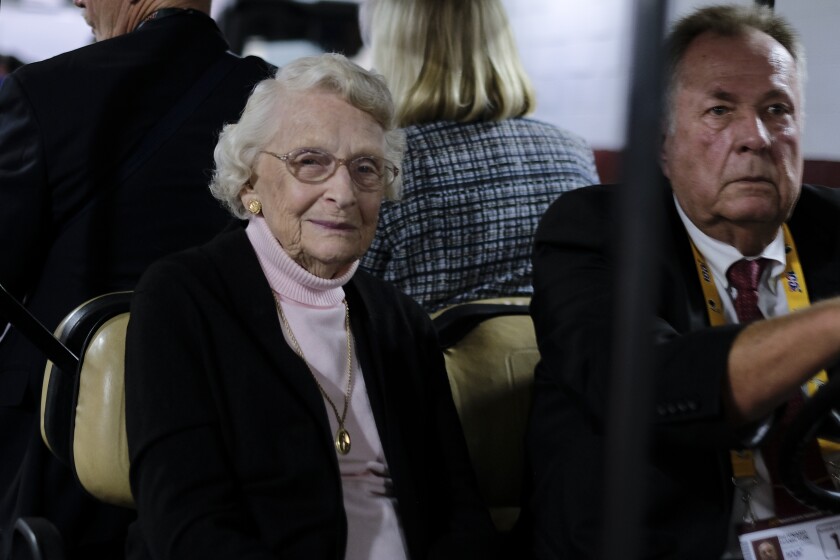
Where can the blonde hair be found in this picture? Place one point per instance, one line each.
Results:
(450, 60)
(240, 143)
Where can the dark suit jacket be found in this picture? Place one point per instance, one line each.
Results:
(231, 451)
(69, 233)
(688, 474)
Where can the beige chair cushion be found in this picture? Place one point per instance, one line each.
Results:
(100, 450)
(491, 375)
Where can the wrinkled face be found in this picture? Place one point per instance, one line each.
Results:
(767, 552)
(327, 226)
(105, 17)
(732, 151)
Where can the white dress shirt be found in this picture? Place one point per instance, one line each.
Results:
(772, 302)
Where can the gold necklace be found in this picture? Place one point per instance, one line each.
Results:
(342, 436)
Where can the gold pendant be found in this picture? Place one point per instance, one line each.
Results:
(342, 441)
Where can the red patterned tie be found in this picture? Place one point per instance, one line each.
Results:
(744, 276)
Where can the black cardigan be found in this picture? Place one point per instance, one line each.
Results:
(231, 451)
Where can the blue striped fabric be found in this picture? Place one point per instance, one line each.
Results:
(472, 197)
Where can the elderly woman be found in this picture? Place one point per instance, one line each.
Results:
(280, 403)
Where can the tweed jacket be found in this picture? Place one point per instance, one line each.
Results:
(472, 196)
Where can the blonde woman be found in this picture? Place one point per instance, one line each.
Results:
(477, 174)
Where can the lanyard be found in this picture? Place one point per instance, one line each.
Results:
(743, 465)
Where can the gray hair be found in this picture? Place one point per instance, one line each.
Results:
(240, 143)
(727, 21)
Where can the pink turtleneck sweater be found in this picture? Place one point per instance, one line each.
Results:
(315, 311)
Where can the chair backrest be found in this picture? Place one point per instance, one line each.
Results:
(489, 348)
(491, 351)
(83, 412)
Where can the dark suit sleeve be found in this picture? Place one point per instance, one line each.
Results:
(23, 190)
(188, 504)
(575, 286)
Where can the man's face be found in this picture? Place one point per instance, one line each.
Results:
(767, 552)
(105, 17)
(731, 151)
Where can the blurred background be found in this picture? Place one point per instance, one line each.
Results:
(577, 53)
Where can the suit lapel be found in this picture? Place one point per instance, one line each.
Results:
(682, 296)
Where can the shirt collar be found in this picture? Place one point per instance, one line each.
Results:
(720, 256)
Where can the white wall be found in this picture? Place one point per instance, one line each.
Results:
(817, 22)
(576, 56)
(577, 53)
(37, 29)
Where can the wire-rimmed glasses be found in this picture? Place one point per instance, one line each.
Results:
(308, 165)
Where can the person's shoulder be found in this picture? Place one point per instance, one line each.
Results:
(547, 133)
(430, 136)
(384, 298)
(261, 69)
(568, 150)
(81, 67)
(463, 135)
(50, 70)
(542, 127)
(817, 204)
(83, 64)
(829, 195)
(200, 263)
(375, 287)
(458, 135)
(594, 196)
(817, 210)
(579, 208)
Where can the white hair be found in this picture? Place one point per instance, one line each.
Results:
(240, 143)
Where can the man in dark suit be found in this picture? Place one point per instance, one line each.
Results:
(731, 152)
(93, 188)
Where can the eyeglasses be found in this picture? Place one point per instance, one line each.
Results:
(369, 173)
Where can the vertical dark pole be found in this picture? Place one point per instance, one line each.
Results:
(630, 399)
